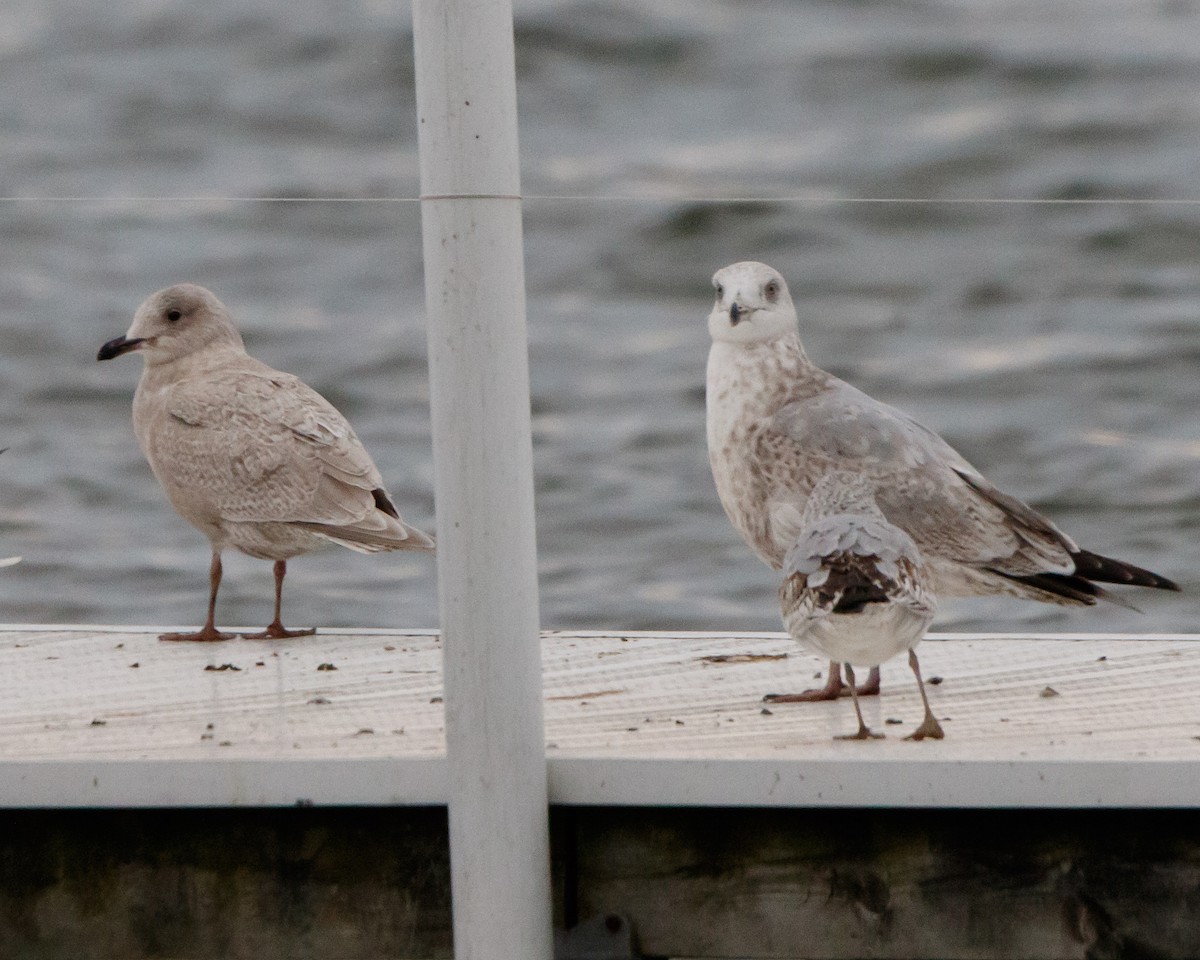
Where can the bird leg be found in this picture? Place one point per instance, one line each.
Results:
(871, 687)
(208, 633)
(929, 726)
(864, 732)
(276, 629)
(833, 688)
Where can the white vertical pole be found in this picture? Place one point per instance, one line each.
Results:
(483, 463)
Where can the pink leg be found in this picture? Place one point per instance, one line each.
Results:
(208, 633)
(864, 732)
(831, 691)
(929, 726)
(871, 687)
(276, 629)
(833, 688)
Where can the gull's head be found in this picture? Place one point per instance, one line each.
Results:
(753, 304)
(174, 323)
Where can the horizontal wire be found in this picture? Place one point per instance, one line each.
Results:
(213, 199)
(615, 198)
(829, 199)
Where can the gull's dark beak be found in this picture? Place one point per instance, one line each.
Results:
(114, 348)
(736, 311)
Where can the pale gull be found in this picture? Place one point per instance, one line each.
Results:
(777, 422)
(253, 458)
(855, 590)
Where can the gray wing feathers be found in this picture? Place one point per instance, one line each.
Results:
(920, 482)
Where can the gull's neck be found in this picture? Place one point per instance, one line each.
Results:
(746, 387)
(219, 355)
(752, 381)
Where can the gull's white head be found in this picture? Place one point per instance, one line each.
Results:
(753, 304)
(174, 323)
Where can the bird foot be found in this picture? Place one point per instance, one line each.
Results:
(929, 728)
(827, 692)
(808, 696)
(277, 631)
(833, 689)
(204, 635)
(864, 733)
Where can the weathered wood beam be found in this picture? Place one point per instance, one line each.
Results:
(818, 884)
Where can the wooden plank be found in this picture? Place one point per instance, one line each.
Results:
(896, 884)
(323, 884)
(826, 884)
(860, 856)
(632, 719)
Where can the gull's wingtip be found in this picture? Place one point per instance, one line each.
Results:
(1094, 566)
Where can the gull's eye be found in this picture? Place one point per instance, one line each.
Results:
(173, 315)
(720, 289)
(771, 290)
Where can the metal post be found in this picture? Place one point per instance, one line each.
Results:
(483, 463)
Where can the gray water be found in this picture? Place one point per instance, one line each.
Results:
(1055, 345)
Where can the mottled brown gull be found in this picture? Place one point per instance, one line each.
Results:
(855, 589)
(253, 458)
(777, 422)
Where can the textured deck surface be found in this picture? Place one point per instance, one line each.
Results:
(108, 716)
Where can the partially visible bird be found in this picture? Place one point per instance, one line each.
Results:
(253, 458)
(777, 422)
(855, 590)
